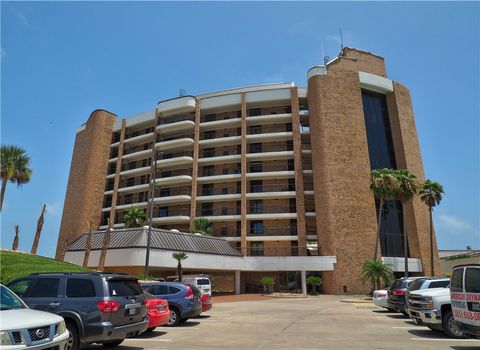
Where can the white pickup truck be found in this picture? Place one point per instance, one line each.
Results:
(432, 308)
(465, 294)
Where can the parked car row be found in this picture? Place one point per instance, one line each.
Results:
(438, 303)
(102, 308)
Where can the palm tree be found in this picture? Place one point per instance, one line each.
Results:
(384, 185)
(203, 226)
(15, 168)
(408, 188)
(375, 271)
(179, 257)
(16, 239)
(134, 217)
(431, 194)
(39, 230)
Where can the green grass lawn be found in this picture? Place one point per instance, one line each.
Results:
(14, 265)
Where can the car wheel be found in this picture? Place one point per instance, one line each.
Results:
(73, 341)
(174, 317)
(112, 344)
(149, 330)
(447, 323)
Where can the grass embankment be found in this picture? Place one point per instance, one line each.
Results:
(14, 265)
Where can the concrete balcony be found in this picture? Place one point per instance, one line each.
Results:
(269, 137)
(270, 119)
(175, 199)
(221, 141)
(180, 143)
(131, 172)
(271, 175)
(219, 178)
(234, 158)
(183, 125)
(219, 197)
(173, 180)
(270, 155)
(179, 105)
(135, 140)
(176, 219)
(221, 124)
(174, 162)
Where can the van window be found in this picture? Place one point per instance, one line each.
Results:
(203, 282)
(19, 287)
(45, 288)
(456, 282)
(472, 280)
(80, 288)
(439, 284)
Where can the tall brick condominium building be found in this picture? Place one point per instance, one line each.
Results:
(281, 171)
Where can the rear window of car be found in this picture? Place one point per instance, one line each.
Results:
(174, 290)
(398, 284)
(45, 288)
(456, 282)
(203, 282)
(124, 288)
(80, 288)
(472, 280)
(438, 284)
(159, 289)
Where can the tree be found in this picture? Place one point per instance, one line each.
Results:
(268, 282)
(16, 239)
(105, 244)
(39, 230)
(315, 282)
(384, 185)
(179, 257)
(202, 226)
(134, 217)
(376, 271)
(431, 194)
(88, 244)
(408, 188)
(15, 168)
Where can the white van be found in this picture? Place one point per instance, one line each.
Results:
(465, 298)
(201, 282)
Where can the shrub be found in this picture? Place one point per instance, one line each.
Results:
(315, 282)
(268, 282)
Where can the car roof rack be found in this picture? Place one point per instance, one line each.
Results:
(93, 273)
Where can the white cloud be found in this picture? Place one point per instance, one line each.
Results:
(54, 209)
(453, 224)
(21, 17)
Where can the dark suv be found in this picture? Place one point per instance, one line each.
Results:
(396, 294)
(97, 307)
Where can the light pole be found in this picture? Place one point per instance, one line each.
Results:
(152, 195)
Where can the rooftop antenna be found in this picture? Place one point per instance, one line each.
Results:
(341, 39)
(182, 92)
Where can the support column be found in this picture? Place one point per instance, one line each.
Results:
(243, 203)
(300, 194)
(196, 151)
(150, 203)
(304, 282)
(118, 169)
(237, 282)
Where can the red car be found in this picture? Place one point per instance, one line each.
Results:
(206, 302)
(157, 311)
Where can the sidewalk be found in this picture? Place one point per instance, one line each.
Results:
(240, 297)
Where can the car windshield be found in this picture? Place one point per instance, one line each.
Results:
(124, 288)
(203, 282)
(9, 301)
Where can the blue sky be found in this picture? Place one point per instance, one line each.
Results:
(60, 61)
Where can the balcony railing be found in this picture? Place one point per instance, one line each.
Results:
(213, 117)
(144, 147)
(163, 213)
(270, 148)
(217, 191)
(271, 209)
(287, 231)
(259, 168)
(184, 135)
(176, 119)
(219, 211)
(174, 191)
(219, 172)
(169, 155)
(271, 188)
(219, 153)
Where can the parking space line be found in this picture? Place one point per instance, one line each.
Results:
(412, 327)
(152, 340)
(452, 339)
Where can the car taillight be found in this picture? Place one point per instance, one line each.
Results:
(108, 306)
(379, 295)
(398, 292)
(189, 294)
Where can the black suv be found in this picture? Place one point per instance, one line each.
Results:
(97, 307)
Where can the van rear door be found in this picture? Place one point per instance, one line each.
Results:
(126, 291)
(465, 294)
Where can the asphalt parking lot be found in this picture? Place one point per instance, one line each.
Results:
(321, 322)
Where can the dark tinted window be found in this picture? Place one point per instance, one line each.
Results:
(439, 284)
(80, 288)
(174, 290)
(124, 288)
(456, 282)
(19, 287)
(417, 284)
(203, 282)
(159, 290)
(472, 280)
(45, 288)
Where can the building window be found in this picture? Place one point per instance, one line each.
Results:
(209, 135)
(226, 134)
(163, 212)
(208, 152)
(288, 127)
(238, 228)
(239, 131)
(226, 153)
(209, 170)
(142, 196)
(112, 168)
(128, 199)
(289, 145)
(108, 201)
(292, 203)
(255, 148)
(132, 165)
(167, 155)
(130, 181)
(223, 231)
(290, 164)
(207, 190)
(146, 162)
(253, 112)
(239, 149)
(207, 209)
(164, 192)
(256, 167)
(288, 109)
(224, 190)
(256, 248)
(291, 184)
(293, 227)
(166, 174)
(210, 117)
(257, 227)
(255, 129)
(224, 211)
(225, 171)
(256, 206)
(143, 179)
(256, 186)
(239, 187)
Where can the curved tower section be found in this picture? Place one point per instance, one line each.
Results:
(87, 178)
